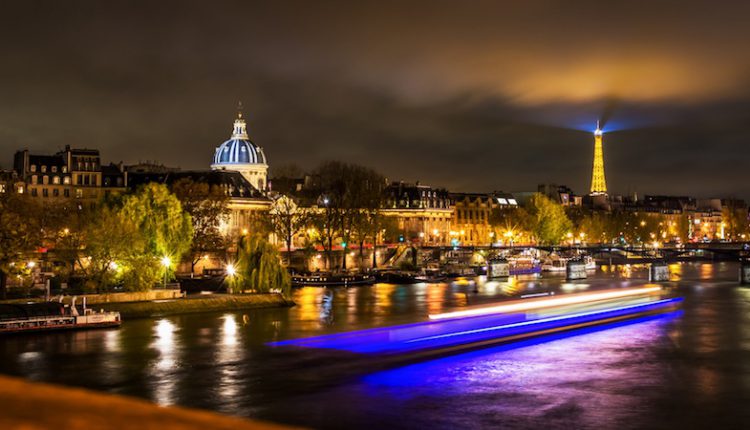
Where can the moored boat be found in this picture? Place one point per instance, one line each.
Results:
(32, 317)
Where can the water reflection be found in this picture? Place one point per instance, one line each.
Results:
(164, 381)
(686, 372)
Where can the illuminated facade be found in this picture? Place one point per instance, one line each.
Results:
(71, 173)
(598, 181)
(423, 213)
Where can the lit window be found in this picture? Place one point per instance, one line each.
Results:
(512, 201)
(33, 167)
(502, 201)
(54, 169)
(79, 193)
(45, 179)
(55, 179)
(2, 188)
(66, 180)
(33, 179)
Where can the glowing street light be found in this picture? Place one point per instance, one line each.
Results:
(166, 262)
(231, 270)
(31, 264)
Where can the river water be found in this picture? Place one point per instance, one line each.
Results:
(688, 369)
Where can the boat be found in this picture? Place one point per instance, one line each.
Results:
(431, 276)
(554, 263)
(36, 317)
(524, 266)
(331, 279)
(398, 277)
(590, 262)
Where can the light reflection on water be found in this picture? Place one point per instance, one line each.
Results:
(690, 371)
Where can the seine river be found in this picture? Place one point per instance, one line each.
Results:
(688, 369)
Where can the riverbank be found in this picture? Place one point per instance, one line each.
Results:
(28, 405)
(182, 305)
(195, 304)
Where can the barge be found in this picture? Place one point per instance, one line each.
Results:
(45, 316)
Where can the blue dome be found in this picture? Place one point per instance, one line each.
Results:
(239, 151)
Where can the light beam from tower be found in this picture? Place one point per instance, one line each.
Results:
(598, 182)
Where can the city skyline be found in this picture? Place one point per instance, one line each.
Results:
(488, 98)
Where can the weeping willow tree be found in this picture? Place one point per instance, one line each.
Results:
(259, 268)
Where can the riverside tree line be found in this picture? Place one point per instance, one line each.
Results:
(132, 241)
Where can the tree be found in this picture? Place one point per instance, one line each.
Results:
(167, 231)
(207, 207)
(550, 224)
(18, 234)
(259, 268)
(113, 245)
(286, 219)
(345, 191)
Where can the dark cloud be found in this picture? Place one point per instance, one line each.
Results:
(474, 96)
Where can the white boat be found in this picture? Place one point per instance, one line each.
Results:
(554, 263)
(590, 262)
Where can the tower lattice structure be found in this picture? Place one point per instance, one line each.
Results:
(598, 182)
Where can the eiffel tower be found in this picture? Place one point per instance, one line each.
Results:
(598, 182)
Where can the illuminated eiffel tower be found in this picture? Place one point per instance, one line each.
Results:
(598, 182)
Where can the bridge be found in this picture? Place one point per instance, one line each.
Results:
(623, 253)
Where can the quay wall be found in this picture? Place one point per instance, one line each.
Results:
(28, 405)
(191, 304)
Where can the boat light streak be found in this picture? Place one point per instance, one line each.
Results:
(561, 318)
(546, 303)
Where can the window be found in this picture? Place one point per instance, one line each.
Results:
(66, 180)
(79, 193)
(66, 192)
(56, 192)
(79, 180)
(33, 167)
(44, 169)
(33, 179)
(20, 189)
(2, 188)
(45, 179)
(33, 192)
(54, 169)
(45, 192)
(65, 169)
(55, 180)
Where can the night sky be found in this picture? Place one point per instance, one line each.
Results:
(473, 96)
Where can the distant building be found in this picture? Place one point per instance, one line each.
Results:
(471, 224)
(423, 213)
(71, 173)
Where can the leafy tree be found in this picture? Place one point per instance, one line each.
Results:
(19, 234)
(207, 207)
(286, 219)
(167, 231)
(550, 224)
(259, 268)
(113, 244)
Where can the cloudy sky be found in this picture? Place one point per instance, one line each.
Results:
(473, 96)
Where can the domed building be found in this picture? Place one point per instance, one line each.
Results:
(240, 154)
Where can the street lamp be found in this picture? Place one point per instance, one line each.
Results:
(165, 261)
(231, 270)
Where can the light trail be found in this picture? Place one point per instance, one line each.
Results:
(546, 303)
(560, 321)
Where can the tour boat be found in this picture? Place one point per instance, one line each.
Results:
(32, 317)
(554, 263)
(524, 266)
